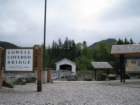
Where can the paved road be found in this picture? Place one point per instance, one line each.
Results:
(73, 93)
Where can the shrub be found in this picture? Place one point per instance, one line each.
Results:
(7, 84)
(24, 80)
(30, 79)
(71, 78)
(101, 77)
(112, 77)
(20, 81)
(88, 79)
(127, 76)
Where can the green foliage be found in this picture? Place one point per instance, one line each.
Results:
(59, 50)
(83, 63)
(81, 53)
(101, 76)
(131, 41)
(112, 77)
(120, 41)
(125, 41)
(7, 84)
(102, 53)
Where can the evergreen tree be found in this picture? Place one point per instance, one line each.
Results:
(80, 53)
(131, 41)
(119, 42)
(126, 41)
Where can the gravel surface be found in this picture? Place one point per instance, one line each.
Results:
(73, 93)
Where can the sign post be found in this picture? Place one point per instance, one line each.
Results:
(1, 66)
(22, 60)
(39, 66)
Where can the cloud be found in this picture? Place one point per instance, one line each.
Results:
(122, 10)
(90, 20)
(21, 21)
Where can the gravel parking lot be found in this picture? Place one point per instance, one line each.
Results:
(73, 93)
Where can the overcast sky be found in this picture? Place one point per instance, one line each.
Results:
(21, 21)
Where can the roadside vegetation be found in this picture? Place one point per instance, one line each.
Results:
(81, 53)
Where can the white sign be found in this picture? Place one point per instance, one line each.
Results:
(19, 60)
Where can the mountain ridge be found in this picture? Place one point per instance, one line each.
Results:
(6, 45)
(109, 41)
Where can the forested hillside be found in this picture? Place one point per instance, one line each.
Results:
(7, 45)
(78, 52)
(81, 53)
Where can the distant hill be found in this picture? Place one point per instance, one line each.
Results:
(107, 41)
(7, 45)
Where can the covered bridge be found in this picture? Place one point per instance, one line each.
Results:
(66, 65)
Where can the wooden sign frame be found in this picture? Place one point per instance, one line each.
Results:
(37, 64)
(24, 48)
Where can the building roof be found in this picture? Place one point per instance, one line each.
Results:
(101, 65)
(125, 49)
(65, 60)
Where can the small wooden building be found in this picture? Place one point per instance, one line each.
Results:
(101, 66)
(66, 65)
(129, 58)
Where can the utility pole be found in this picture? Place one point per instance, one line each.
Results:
(39, 82)
(44, 45)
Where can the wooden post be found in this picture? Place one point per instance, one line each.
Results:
(122, 68)
(107, 71)
(1, 79)
(49, 76)
(39, 65)
(1, 65)
(95, 74)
